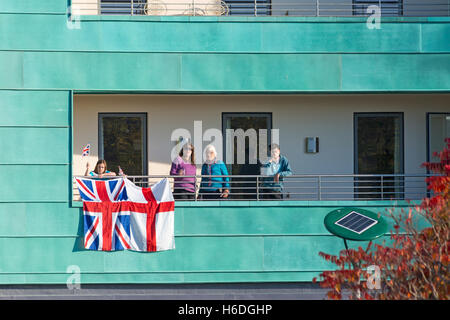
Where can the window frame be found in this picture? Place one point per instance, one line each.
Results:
(143, 116)
(400, 190)
(378, 114)
(243, 114)
(428, 132)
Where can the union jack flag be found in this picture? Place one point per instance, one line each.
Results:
(102, 190)
(118, 215)
(86, 150)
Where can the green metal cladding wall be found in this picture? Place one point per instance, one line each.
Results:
(42, 62)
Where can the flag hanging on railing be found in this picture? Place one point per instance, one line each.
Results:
(86, 150)
(118, 215)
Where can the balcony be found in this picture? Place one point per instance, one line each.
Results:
(299, 8)
(331, 187)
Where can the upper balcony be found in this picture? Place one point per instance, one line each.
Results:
(299, 8)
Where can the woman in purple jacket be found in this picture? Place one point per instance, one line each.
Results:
(184, 165)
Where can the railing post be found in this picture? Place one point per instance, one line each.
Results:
(317, 8)
(195, 189)
(320, 187)
(256, 8)
(257, 188)
(132, 6)
(382, 191)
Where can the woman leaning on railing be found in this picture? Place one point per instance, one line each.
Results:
(184, 165)
(214, 187)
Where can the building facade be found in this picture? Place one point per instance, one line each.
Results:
(375, 97)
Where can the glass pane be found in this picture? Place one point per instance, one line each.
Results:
(379, 142)
(439, 129)
(123, 143)
(245, 123)
(379, 145)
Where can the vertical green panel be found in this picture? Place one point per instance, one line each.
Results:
(11, 69)
(94, 71)
(299, 253)
(435, 37)
(260, 72)
(35, 108)
(34, 31)
(249, 220)
(34, 145)
(340, 37)
(33, 6)
(48, 255)
(60, 219)
(395, 72)
(35, 183)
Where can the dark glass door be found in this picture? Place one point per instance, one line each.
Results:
(245, 154)
(123, 141)
(379, 151)
(438, 131)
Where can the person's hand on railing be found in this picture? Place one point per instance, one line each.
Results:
(276, 178)
(121, 173)
(225, 193)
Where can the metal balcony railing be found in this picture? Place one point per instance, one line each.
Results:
(315, 8)
(299, 187)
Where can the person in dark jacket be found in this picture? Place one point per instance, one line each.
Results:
(214, 187)
(275, 169)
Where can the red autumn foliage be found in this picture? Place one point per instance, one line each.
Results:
(416, 263)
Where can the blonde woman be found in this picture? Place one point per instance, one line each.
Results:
(213, 187)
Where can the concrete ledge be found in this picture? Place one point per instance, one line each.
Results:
(237, 291)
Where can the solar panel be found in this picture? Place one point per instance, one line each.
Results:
(356, 222)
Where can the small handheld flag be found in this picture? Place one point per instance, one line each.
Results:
(86, 150)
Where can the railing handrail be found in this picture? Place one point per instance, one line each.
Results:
(398, 8)
(295, 186)
(265, 176)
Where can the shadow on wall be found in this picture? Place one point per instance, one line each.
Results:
(79, 240)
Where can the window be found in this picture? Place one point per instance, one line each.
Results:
(123, 7)
(378, 151)
(123, 141)
(392, 8)
(438, 129)
(244, 154)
